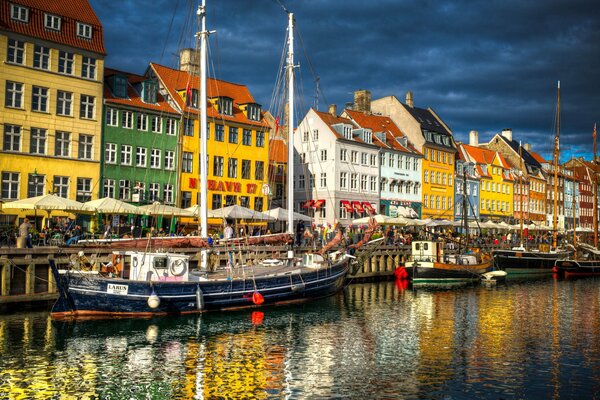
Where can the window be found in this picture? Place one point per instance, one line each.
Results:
(373, 184)
(246, 169)
(225, 106)
(86, 143)
(109, 188)
(19, 13)
(52, 22)
(153, 191)
(140, 156)
(258, 204)
(10, 185)
(124, 189)
(41, 57)
(232, 168)
(12, 138)
(14, 95)
(219, 133)
(126, 151)
(245, 201)
(391, 160)
(363, 158)
(323, 179)
(16, 52)
(400, 161)
(305, 136)
(169, 160)
(247, 137)
(353, 181)
(343, 155)
(354, 157)
(217, 166)
(39, 99)
(112, 116)
(315, 135)
(110, 153)
(84, 30)
(186, 199)
(87, 107)
(233, 135)
(373, 160)
(65, 62)
(37, 142)
(187, 161)
(35, 185)
(171, 126)
(425, 200)
(301, 182)
(230, 200)
(149, 92)
(343, 212)
(155, 158)
(127, 119)
(324, 155)
(216, 201)
(142, 122)
(62, 144)
(259, 171)
(60, 186)
(426, 176)
(84, 190)
(155, 124)
(64, 103)
(88, 67)
(260, 139)
(188, 127)
(363, 183)
(168, 193)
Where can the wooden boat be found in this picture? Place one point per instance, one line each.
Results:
(137, 283)
(521, 261)
(586, 263)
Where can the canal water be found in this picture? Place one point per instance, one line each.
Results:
(531, 339)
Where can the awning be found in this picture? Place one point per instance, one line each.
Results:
(358, 207)
(307, 204)
(318, 203)
(346, 204)
(368, 207)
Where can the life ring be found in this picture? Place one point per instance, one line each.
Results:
(179, 263)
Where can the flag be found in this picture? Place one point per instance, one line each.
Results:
(188, 95)
(276, 125)
(594, 134)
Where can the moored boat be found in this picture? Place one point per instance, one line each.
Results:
(522, 261)
(586, 262)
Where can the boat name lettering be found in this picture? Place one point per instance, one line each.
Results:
(117, 289)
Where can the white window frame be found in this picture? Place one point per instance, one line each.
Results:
(126, 154)
(41, 57)
(169, 160)
(38, 140)
(39, 94)
(62, 144)
(67, 60)
(64, 103)
(171, 126)
(127, 119)
(142, 122)
(19, 13)
(85, 147)
(109, 188)
(156, 124)
(155, 157)
(88, 67)
(141, 156)
(52, 22)
(18, 50)
(110, 153)
(87, 106)
(84, 30)
(112, 116)
(14, 94)
(10, 181)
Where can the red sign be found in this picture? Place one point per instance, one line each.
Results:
(193, 183)
(227, 186)
(358, 207)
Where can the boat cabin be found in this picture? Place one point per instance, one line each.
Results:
(157, 267)
(426, 250)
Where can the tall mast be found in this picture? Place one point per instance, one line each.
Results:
(521, 187)
(290, 172)
(556, 155)
(465, 209)
(574, 207)
(595, 191)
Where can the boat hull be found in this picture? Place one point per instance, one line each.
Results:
(95, 295)
(571, 267)
(526, 262)
(432, 272)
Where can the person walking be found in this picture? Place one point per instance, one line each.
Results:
(24, 232)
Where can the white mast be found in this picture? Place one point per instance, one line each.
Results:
(203, 36)
(290, 171)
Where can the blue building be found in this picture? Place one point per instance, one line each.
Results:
(466, 170)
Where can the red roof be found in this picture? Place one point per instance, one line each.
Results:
(537, 157)
(176, 81)
(479, 154)
(134, 99)
(278, 151)
(71, 12)
(334, 120)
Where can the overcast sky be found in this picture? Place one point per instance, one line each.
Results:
(481, 65)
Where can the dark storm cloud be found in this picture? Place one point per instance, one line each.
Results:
(483, 65)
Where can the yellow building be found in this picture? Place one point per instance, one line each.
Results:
(238, 140)
(432, 137)
(496, 185)
(51, 71)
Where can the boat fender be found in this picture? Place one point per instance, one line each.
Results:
(199, 299)
(257, 298)
(153, 301)
(178, 267)
(555, 269)
(401, 273)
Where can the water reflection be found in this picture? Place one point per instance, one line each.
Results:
(530, 339)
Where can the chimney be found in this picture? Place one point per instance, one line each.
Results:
(189, 61)
(507, 133)
(527, 146)
(474, 138)
(409, 99)
(333, 110)
(362, 101)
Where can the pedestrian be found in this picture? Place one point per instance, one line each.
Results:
(24, 232)
(228, 232)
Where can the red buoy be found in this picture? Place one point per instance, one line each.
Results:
(257, 298)
(401, 273)
(555, 269)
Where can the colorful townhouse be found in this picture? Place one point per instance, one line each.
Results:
(51, 70)
(584, 174)
(466, 172)
(238, 138)
(571, 201)
(139, 161)
(399, 163)
(336, 169)
(433, 139)
(496, 183)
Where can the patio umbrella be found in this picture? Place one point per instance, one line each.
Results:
(239, 212)
(489, 224)
(381, 219)
(439, 222)
(47, 202)
(108, 205)
(406, 212)
(157, 208)
(504, 226)
(281, 214)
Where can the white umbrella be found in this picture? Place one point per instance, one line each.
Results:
(281, 214)
(108, 205)
(239, 212)
(438, 222)
(381, 219)
(157, 208)
(504, 226)
(489, 224)
(47, 202)
(406, 212)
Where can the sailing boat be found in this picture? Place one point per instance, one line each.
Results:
(154, 283)
(428, 263)
(520, 260)
(586, 259)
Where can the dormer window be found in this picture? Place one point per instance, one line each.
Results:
(84, 30)
(52, 22)
(225, 105)
(254, 112)
(149, 92)
(347, 132)
(19, 13)
(119, 86)
(367, 138)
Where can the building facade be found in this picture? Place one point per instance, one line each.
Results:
(466, 172)
(51, 71)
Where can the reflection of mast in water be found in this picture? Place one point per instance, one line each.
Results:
(555, 352)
